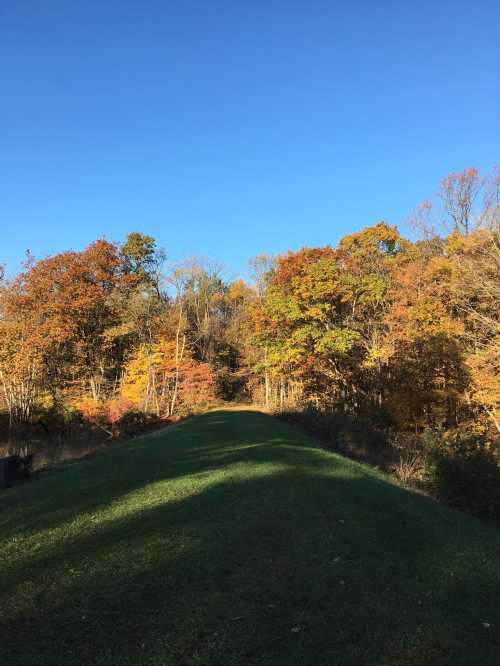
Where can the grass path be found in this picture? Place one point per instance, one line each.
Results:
(231, 540)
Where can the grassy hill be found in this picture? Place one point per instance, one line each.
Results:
(230, 539)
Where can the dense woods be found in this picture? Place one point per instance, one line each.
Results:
(385, 348)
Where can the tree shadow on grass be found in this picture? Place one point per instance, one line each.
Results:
(288, 556)
(187, 448)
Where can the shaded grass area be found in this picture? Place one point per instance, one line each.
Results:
(231, 540)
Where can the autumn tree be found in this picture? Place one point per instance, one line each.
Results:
(469, 255)
(464, 201)
(58, 310)
(24, 351)
(458, 192)
(142, 260)
(322, 317)
(476, 297)
(159, 380)
(426, 376)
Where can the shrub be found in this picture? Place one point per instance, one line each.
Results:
(131, 423)
(409, 466)
(339, 430)
(463, 469)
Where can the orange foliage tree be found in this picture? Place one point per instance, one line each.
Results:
(155, 380)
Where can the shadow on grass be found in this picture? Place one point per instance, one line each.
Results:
(64, 493)
(240, 548)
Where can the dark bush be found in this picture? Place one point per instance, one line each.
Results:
(339, 430)
(463, 469)
(134, 422)
(56, 420)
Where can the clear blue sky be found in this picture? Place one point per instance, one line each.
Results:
(229, 129)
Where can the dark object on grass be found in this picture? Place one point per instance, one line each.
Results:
(15, 467)
(8, 470)
(24, 468)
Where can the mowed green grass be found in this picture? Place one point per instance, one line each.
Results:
(231, 539)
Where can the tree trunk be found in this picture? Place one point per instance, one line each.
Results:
(179, 353)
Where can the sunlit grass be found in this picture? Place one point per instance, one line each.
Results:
(231, 539)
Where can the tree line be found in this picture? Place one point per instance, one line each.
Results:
(403, 333)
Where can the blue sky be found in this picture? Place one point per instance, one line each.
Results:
(228, 129)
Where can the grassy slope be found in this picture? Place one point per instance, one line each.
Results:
(230, 539)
